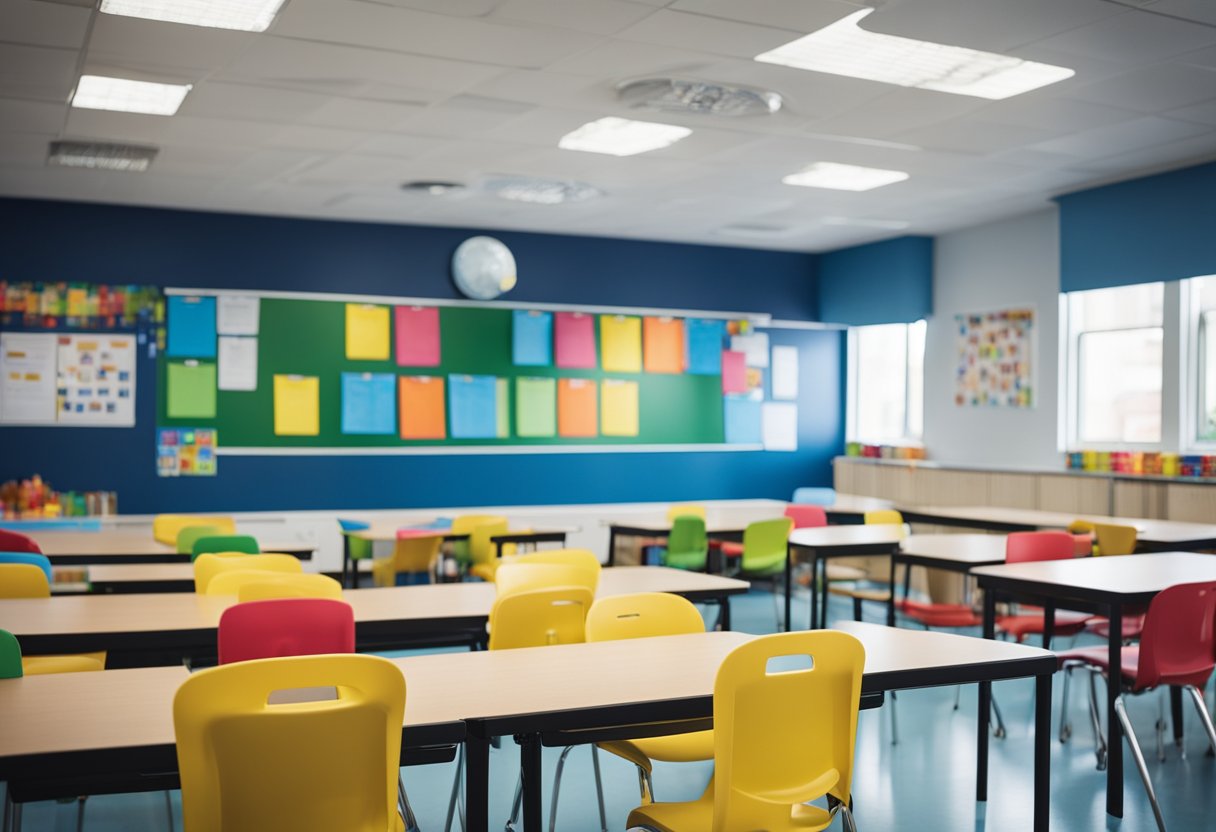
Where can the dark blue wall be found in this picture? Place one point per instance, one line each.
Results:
(112, 244)
(888, 282)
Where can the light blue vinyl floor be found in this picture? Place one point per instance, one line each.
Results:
(925, 782)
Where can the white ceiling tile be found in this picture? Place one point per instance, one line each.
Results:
(31, 116)
(25, 149)
(43, 24)
(1191, 150)
(1162, 87)
(455, 121)
(1122, 138)
(149, 45)
(1054, 114)
(36, 72)
(1200, 10)
(355, 114)
(215, 99)
(969, 135)
(1131, 37)
(1200, 57)
(539, 87)
(118, 127)
(598, 17)
(396, 144)
(1201, 113)
(708, 34)
(798, 16)
(991, 25)
(620, 59)
(454, 8)
(895, 111)
(358, 169)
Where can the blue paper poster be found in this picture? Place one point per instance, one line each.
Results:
(369, 403)
(743, 421)
(704, 351)
(473, 405)
(532, 338)
(191, 327)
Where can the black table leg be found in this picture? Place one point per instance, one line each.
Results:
(724, 614)
(822, 584)
(477, 783)
(814, 589)
(1176, 713)
(789, 586)
(1049, 623)
(985, 707)
(891, 598)
(612, 546)
(530, 769)
(1042, 752)
(1114, 686)
(345, 558)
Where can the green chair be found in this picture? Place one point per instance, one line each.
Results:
(225, 543)
(687, 546)
(189, 534)
(765, 550)
(10, 656)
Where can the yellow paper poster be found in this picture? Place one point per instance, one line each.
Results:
(297, 409)
(619, 408)
(367, 332)
(621, 343)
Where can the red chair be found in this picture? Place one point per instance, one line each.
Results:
(285, 627)
(1177, 647)
(1024, 547)
(13, 542)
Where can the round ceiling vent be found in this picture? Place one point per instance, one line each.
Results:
(677, 95)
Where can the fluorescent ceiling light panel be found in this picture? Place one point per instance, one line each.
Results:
(245, 15)
(622, 136)
(839, 177)
(866, 222)
(101, 156)
(97, 92)
(844, 48)
(541, 191)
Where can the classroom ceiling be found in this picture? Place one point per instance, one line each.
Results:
(339, 102)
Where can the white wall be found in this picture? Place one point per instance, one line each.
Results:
(1002, 265)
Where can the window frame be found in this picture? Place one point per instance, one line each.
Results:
(907, 438)
(1196, 331)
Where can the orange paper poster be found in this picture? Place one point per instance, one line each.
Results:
(576, 407)
(420, 407)
(663, 345)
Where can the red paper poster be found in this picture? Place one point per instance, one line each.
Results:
(574, 340)
(734, 372)
(417, 336)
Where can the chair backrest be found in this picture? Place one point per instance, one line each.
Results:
(416, 553)
(582, 558)
(540, 617)
(285, 627)
(643, 615)
(41, 561)
(524, 577)
(14, 542)
(249, 763)
(814, 496)
(225, 543)
(807, 516)
(1114, 540)
(1021, 547)
(1081, 527)
(10, 656)
(783, 737)
(1178, 642)
(687, 544)
(188, 534)
(207, 566)
(685, 510)
(884, 517)
(347, 525)
(264, 586)
(166, 526)
(23, 580)
(766, 541)
(481, 550)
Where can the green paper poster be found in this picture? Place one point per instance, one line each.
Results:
(536, 407)
(191, 390)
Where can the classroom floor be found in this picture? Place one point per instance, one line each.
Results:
(925, 782)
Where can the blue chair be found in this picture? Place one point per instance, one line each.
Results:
(41, 561)
(814, 496)
(353, 525)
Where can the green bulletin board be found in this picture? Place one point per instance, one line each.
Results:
(307, 337)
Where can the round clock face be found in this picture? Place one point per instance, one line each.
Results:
(483, 268)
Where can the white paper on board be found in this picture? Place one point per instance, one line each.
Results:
(785, 373)
(238, 363)
(237, 315)
(27, 378)
(95, 379)
(754, 348)
(779, 422)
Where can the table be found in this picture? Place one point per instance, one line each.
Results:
(581, 693)
(1106, 584)
(1153, 535)
(951, 552)
(134, 546)
(179, 624)
(851, 508)
(827, 542)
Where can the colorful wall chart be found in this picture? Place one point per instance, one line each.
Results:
(186, 452)
(994, 359)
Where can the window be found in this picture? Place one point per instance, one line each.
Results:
(1203, 358)
(886, 383)
(1115, 365)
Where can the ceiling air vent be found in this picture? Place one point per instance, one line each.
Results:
(101, 156)
(540, 191)
(677, 95)
(432, 187)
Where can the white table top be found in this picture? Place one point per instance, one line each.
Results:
(957, 548)
(1115, 575)
(838, 536)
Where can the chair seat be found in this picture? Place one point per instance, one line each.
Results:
(1099, 657)
(677, 748)
(692, 561)
(697, 816)
(731, 549)
(1100, 626)
(838, 572)
(42, 665)
(485, 571)
(1020, 626)
(881, 596)
(939, 615)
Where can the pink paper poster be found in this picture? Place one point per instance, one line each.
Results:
(574, 340)
(734, 372)
(417, 329)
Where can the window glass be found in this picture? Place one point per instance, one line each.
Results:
(888, 382)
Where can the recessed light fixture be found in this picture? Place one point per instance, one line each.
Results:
(540, 191)
(432, 187)
(844, 48)
(98, 92)
(245, 15)
(758, 230)
(101, 156)
(622, 136)
(838, 177)
(677, 95)
(865, 222)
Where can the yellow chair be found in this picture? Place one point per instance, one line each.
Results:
(414, 555)
(261, 584)
(582, 559)
(883, 517)
(781, 738)
(482, 551)
(165, 527)
(646, 615)
(1082, 532)
(189, 534)
(685, 510)
(513, 578)
(24, 580)
(207, 566)
(1111, 539)
(254, 757)
(464, 525)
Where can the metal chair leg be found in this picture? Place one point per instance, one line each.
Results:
(1096, 720)
(516, 803)
(7, 810)
(454, 800)
(1204, 716)
(599, 787)
(1065, 723)
(80, 813)
(894, 722)
(846, 819)
(169, 809)
(999, 731)
(645, 786)
(18, 808)
(1160, 726)
(407, 811)
(1130, 733)
(557, 787)
(958, 696)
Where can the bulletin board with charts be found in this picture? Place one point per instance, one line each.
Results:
(67, 379)
(994, 359)
(274, 372)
